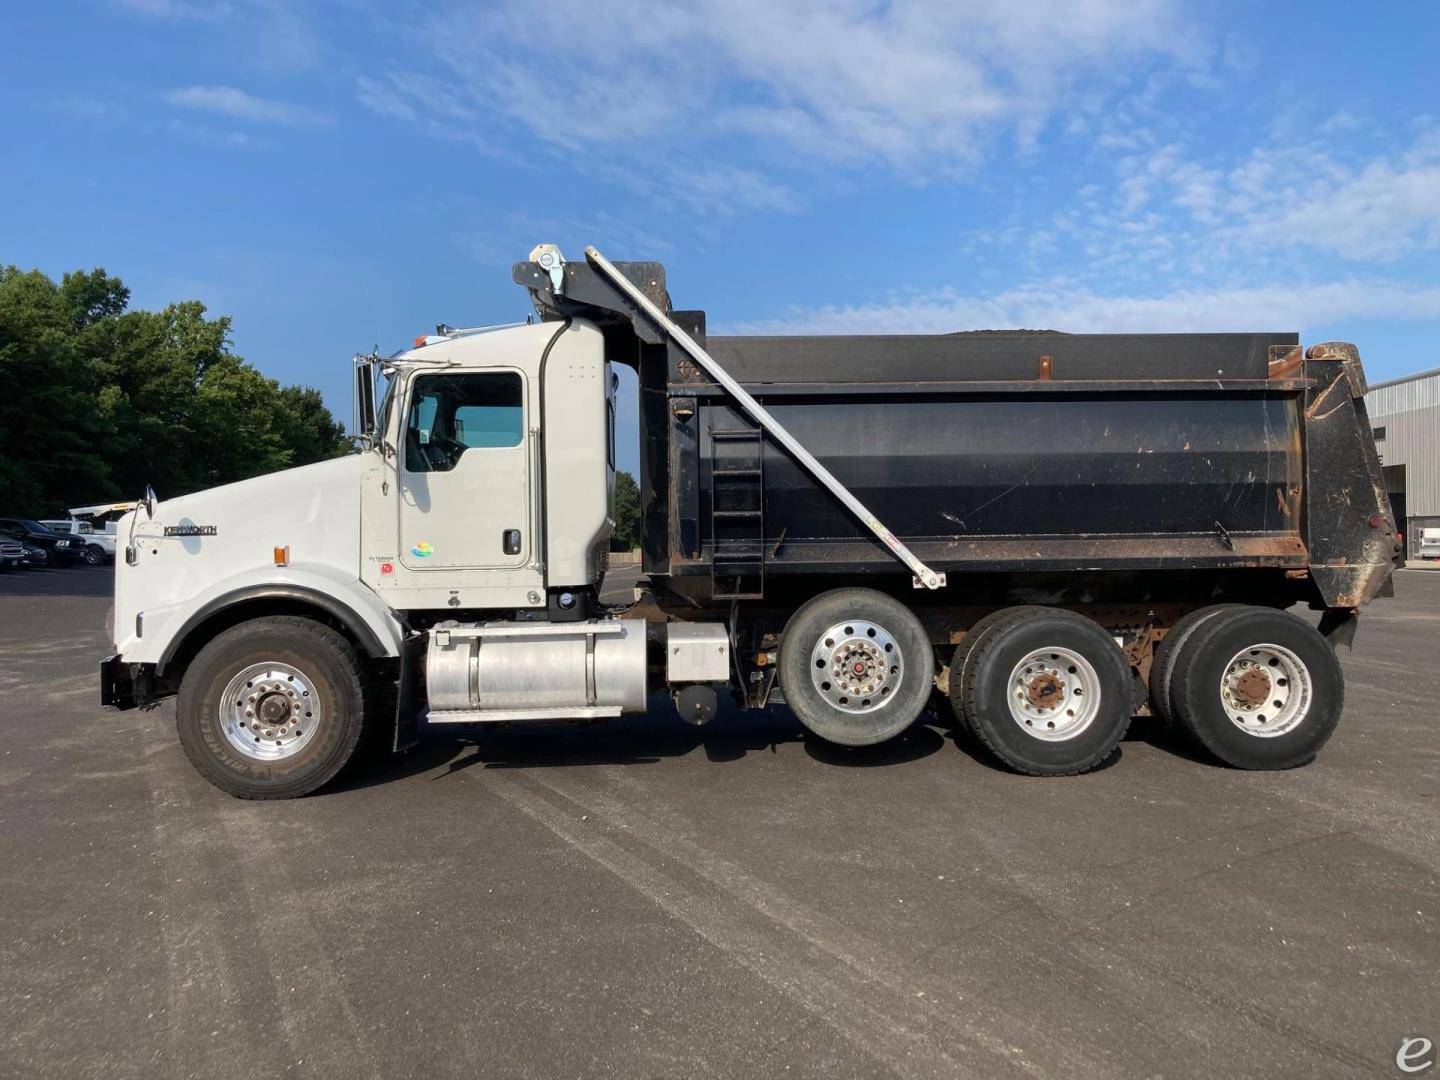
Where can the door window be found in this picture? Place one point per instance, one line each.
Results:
(452, 414)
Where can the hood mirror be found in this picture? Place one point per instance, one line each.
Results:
(149, 501)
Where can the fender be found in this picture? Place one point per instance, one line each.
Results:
(367, 638)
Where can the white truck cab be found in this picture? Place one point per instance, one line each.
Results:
(461, 546)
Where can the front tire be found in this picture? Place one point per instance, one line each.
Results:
(856, 666)
(94, 555)
(272, 708)
(1258, 688)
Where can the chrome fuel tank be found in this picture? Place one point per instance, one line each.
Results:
(533, 671)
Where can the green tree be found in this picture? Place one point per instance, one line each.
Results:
(626, 536)
(97, 400)
(50, 421)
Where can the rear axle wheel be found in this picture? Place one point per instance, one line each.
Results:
(1047, 691)
(856, 666)
(1257, 688)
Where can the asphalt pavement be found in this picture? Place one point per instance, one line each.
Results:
(646, 899)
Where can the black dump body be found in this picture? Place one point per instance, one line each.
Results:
(1053, 467)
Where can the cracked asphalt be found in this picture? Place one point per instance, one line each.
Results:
(650, 900)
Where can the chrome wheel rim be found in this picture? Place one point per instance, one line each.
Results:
(1053, 694)
(1266, 690)
(270, 711)
(856, 666)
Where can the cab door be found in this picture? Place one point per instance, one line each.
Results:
(464, 471)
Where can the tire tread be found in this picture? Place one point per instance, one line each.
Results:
(994, 636)
(320, 635)
(1189, 698)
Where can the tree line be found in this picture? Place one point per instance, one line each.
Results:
(97, 400)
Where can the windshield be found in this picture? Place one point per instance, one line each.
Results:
(33, 526)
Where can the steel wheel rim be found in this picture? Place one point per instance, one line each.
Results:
(1266, 690)
(270, 711)
(1053, 694)
(856, 666)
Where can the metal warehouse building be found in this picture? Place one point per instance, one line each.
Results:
(1406, 416)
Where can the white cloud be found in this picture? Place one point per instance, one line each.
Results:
(1079, 310)
(382, 98)
(239, 105)
(911, 86)
(706, 188)
(1380, 211)
(406, 95)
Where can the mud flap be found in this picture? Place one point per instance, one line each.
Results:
(117, 684)
(1338, 627)
(408, 700)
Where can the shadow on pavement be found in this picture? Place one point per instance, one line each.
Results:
(639, 740)
(661, 734)
(1167, 737)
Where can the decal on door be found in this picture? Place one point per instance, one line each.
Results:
(422, 550)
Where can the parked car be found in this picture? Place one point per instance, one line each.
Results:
(12, 554)
(36, 557)
(99, 545)
(59, 550)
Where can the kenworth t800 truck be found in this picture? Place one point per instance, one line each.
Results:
(1057, 531)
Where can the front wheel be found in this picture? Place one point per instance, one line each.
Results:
(94, 554)
(856, 666)
(272, 708)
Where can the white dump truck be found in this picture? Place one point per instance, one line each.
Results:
(1055, 530)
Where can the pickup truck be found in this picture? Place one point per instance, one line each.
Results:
(59, 549)
(99, 545)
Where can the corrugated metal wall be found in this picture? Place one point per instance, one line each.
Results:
(1409, 411)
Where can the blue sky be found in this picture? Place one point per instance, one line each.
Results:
(336, 176)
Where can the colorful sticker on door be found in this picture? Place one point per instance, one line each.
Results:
(422, 550)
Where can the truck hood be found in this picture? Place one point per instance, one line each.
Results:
(197, 543)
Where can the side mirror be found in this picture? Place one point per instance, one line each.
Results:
(149, 501)
(363, 427)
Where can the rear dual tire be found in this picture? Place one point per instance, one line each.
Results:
(1045, 690)
(1255, 687)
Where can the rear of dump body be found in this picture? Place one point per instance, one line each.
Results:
(1213, 462)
